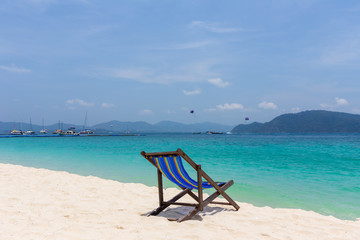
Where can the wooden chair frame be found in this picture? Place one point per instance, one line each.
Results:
(201, 203)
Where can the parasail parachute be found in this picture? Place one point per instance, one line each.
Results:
(246, 118)
(191, 111)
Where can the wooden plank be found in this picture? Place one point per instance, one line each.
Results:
(189, 215)
(160, 186)
(216, 194)
(186, 158)
(166, 204)
(149, 159)
(200, 190)
(182, 204)
(161, 153)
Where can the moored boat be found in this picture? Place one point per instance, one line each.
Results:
(58, 131)
(85, 132)
(29, 132)
(16, 132)
(43, 131)
(211, 132)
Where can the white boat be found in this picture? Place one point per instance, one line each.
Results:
(86, 131)
(43, 130)
(29, 132)
(58, 131)
(70, 131)
(16, 132)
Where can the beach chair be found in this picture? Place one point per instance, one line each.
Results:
(171, 166)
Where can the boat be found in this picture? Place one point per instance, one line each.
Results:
(70, 131)
(59, 130)
(29, 132)
(86, 131)
(43, 130)
(211, 132)
(16, 132)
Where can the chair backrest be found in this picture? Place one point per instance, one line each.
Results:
(171, 166)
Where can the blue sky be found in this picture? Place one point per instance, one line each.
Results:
(156, 60)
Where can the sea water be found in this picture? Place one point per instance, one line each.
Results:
(311, 172)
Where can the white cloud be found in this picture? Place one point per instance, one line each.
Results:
(194, 92)
(107, 105)
(190, 72)
(170, 111)
(48, 2)
(15, 69)
(219, 82)
(295, 109)
(148, 76)
(341, 101)
(42, 2)
(267, 105)
(232, 106)
(338, 102)
(72, 103)
(214, 27)
(190, 45)
(146, 112)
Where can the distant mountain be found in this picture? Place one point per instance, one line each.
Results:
(314, 121)
(163, 126)
(121, 127)
(116, 126)
(168, 126)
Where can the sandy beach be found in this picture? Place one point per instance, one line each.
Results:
(43, 204)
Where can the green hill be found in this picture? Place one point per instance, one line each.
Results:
(314, 121)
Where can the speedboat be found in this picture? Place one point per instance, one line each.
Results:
(16, 132)
(211, 132)
(85, 132)
(58, 131)
(29, 132)
(70, 131)
(43, 131)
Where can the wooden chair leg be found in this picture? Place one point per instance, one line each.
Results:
(165, 204)
(222, 192)
(189, 215)
(203, 204)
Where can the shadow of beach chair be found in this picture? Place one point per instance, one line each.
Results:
(171, 166)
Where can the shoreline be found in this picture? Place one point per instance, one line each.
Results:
(45, 204)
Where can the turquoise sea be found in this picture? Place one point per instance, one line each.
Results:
(312, 172)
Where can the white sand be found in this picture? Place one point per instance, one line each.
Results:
(43, 204)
